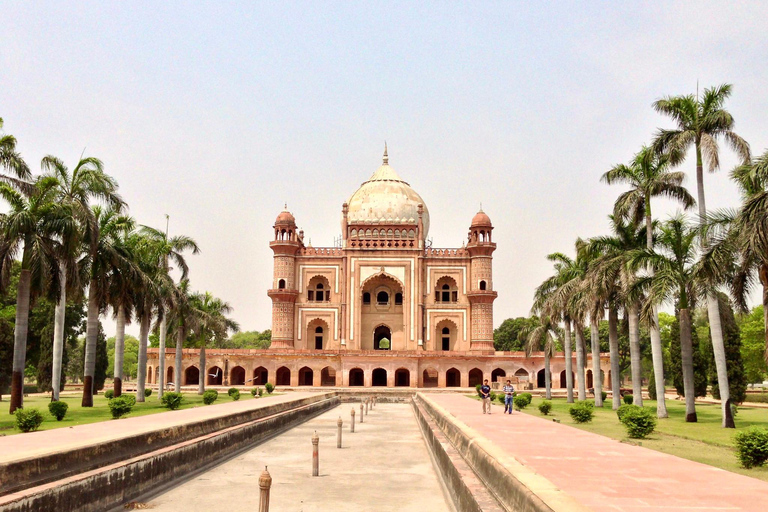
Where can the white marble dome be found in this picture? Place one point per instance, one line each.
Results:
(386, 199)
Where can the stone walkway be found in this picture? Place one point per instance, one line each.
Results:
(607, 475)
(63, 439)
(383, 466)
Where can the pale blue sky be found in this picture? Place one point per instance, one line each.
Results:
(217, 113)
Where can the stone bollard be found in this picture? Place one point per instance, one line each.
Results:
(353, 420)
(361, 413)
(338, 433)
(265, 482)
(315, 455)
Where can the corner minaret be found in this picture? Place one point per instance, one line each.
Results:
(481, 294)
(284, 291)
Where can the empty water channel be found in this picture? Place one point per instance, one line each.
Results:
(383, 465)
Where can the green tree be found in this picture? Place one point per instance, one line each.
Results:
(130, 356)
(700, 366)
(752, 345)
(212, 324)
(700, 122)
(250, 339)
(506, 337)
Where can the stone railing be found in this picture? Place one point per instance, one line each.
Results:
(446, 253)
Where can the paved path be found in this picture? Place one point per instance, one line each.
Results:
(63, 439)
(383, 466)
(607, 475)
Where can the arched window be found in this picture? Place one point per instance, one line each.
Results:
(319, 338)
(446, 290)
(482, 285)
(411, 233)
(398, 299)
(382, 298)
(366, 298)
(318, 290)
(446, 338)
(446, 293)
(397, 233)
(353, 234)
(281, 284)
(375, 233)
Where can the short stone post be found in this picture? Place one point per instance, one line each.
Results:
(362, 420)
(338, 433)
(265, 482)
(353, 420)
(315, 455)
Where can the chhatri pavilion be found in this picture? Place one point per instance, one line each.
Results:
(381, 309)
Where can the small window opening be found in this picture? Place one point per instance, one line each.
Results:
(382, 298)
(482, 285)
(281, 284)
(398, 299)
(366, 298)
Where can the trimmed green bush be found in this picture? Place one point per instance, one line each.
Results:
(210, 396)
(232, 391)
(109, 394)
(639, 421)
(58, 409)
(147, 392)
(269, 387)
(121, 405)
(172, 400)
(520, 402)
(604, 395)
(628, 399)
(500, 397)
(235, 396)
(545, 407)
(255, 392)
(28, 420)
(493, 396)
(477, 388)
(582, 411)
(624, 408)
(751, 446)
(528, 397)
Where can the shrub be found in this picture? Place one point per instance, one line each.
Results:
(493, 396)
(640, 421)
(255, 392)
(582, 411)
(528, 397)
(232, 391)
(109, 394)
(652, 387)
(623, 409)
(30, 388)
(261, 392)
(58, 409)
(500, 397)
(121, 405)
(172, 400)
(604, 395)
(520, 402)
(751, 446)
(210, 396)
(477, 388)
(545, 407)
(147, 392)
(628, 399)
(269, 387)
(28, 420)
(235, 396)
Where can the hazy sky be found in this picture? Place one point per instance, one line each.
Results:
(218, 113)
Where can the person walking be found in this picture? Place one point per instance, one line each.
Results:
(485, 394)
(509, 394)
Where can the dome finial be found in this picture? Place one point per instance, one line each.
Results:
(481, 206)
(386, 157)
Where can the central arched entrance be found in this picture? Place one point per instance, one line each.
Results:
(382, 332)
(379, 377)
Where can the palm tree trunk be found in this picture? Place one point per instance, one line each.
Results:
(597, 374)
(713, 308)
(763, 273)
(91, 336)
(657, 352)
(686, 352)
(613, 346)
(58, 332)
(568, 361)
(141, 378)
(547, 375)
(119, 351)
(161, 358)
(580, 360)
(634, 353)
(203, 372)
(20, 340)
(180, 335)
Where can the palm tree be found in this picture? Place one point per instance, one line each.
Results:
(11, 161)
(649, 176)
(182, 318)
(104, 257)
(32, 225)
(612, 274)
(168, 248)
(543, 337)
(700, 122)
(86, 182)
(212, 324)
(595, 294)
(676, 278)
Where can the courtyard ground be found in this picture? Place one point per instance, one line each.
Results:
(606, 474)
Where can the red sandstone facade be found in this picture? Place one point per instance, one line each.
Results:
(380, 309)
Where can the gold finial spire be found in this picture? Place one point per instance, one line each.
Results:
(386, 157)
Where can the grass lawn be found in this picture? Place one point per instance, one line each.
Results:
(77, 415)
(704, 442)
